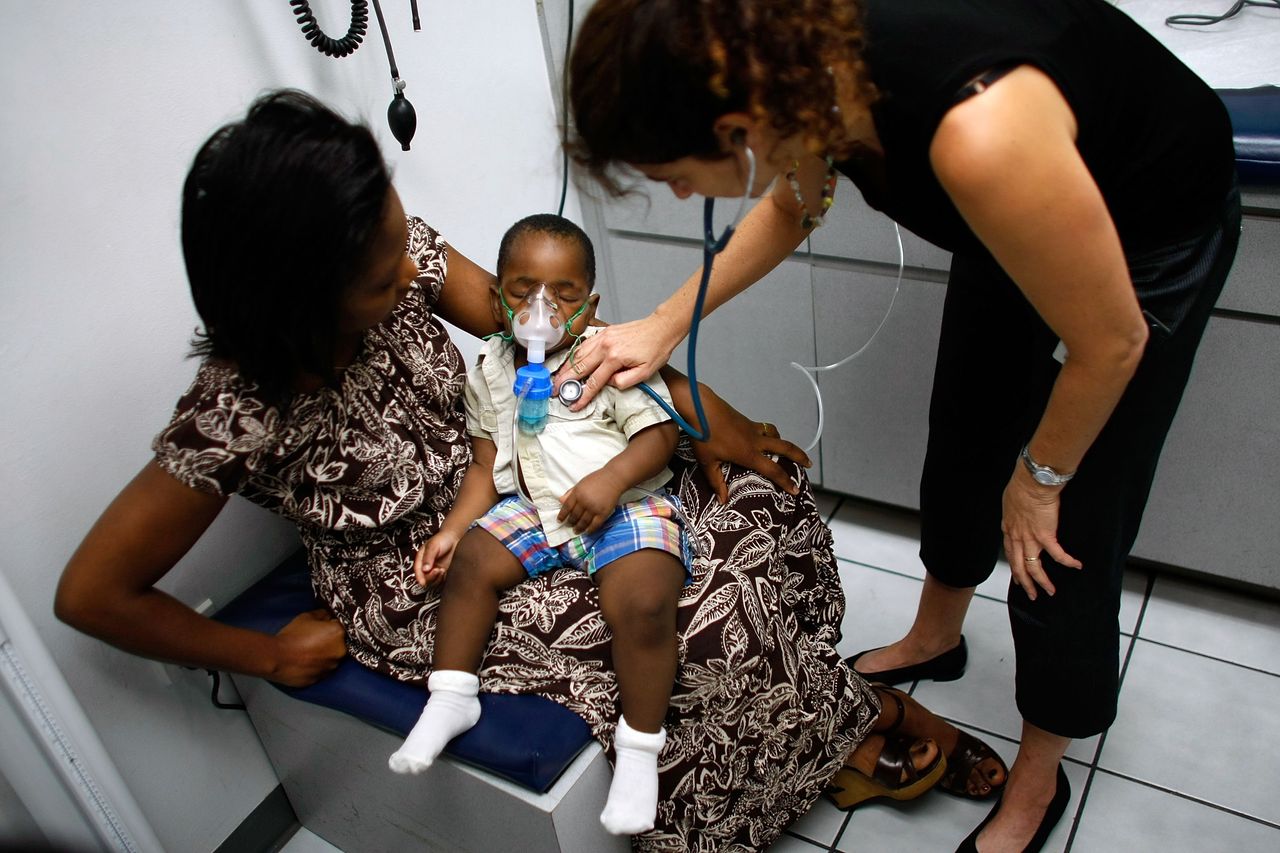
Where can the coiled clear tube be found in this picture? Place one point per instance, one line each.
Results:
(810, 372)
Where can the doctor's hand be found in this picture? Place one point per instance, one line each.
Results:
(737, 439)
(622, 355)
(310, 647)
(1030, 527)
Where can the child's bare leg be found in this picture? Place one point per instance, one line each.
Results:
(638, 595)
(482, 568)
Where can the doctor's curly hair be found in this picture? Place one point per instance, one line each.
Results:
(648, 78)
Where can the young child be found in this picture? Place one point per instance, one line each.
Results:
(587, 474)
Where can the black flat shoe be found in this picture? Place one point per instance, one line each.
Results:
(1053, 814)
(947, 666)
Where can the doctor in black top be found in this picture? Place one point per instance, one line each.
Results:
(1083, 179)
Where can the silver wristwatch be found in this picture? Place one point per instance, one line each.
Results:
(1043, 474)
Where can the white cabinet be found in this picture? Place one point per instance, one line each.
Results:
(745, 348)
(1215, 503)
(1216, 499)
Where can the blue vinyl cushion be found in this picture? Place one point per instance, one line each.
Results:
(528, 740)
(1255, 120)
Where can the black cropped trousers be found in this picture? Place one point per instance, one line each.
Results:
(995, 370)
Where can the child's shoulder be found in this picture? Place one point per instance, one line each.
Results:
(491, 365)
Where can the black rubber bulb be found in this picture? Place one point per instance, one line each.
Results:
(403, 120)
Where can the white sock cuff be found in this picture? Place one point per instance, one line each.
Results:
(629, 738)
(454, 681)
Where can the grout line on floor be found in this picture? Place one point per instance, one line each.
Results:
(806, 839)
(1102, 738)
(835, 509)
(1190, 798)
(906, 576)
(875, 568)
(1214, 658)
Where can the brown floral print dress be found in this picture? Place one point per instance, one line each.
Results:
(763, 710)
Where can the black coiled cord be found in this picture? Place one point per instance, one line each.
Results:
(1210, 20)
(337, 48)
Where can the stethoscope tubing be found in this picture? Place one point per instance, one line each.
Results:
(711, 246)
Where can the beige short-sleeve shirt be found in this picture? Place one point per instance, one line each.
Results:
(573, 444)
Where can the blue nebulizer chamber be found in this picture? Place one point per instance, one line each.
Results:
(533, 391)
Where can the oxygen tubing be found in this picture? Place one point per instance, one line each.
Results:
(810, 371)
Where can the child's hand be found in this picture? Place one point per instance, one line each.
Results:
(587, 505)
(431, 563)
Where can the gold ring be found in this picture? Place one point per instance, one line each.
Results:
(1031, 559)
(577, 371)
(768, 427)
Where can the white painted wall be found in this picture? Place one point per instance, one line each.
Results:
(103, 106)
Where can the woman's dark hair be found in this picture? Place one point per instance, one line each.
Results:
(555, 226)
(279, 212)
(649, 78)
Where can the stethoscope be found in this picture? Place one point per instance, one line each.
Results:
(711, 246)
(570, 392)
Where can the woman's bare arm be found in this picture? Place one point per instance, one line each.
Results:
(626, 354)
(1009, 161)
(108, 590)
(464, 301)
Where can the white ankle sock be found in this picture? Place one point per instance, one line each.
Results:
(452, 708)
(633, 795)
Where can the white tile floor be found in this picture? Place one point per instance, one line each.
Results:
(1188, 765)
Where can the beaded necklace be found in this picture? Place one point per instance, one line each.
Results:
(828, 194)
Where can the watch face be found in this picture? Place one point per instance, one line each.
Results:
(1045, 478)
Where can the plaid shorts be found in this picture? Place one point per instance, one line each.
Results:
(647, 523)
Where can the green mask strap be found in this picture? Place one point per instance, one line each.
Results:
(511, 321)
(577, 339)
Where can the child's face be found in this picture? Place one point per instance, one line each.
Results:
(557, 264)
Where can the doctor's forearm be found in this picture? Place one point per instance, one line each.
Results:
(1083, 399)
(766, 236)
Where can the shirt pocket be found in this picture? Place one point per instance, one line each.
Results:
(560, 413)
(488, 419)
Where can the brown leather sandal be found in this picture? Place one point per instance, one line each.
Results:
(969, 752)
(895, 776)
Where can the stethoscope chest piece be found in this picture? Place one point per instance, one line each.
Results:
(570, 391)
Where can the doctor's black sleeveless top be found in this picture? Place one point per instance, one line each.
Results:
(1155, 137)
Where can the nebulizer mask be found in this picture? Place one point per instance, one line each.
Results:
(537, 328)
